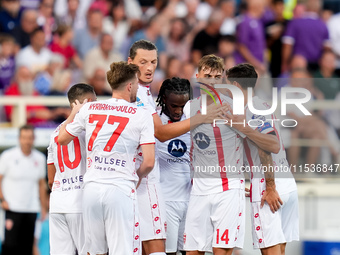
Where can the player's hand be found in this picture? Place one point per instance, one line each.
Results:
(247, 192)
(4, 205)
(76, 106)
(272, 198)
(215, 111)
(236, 121)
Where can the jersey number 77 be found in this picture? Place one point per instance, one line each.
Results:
(123, 121)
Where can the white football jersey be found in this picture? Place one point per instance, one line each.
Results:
(144, 99)
(174, 165)
(70, 163)
(217, 155)
(265, 124)
(114, 130)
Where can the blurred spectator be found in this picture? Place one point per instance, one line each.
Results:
(274, 32)
(309, 126)
(9, 15)
(72, 17)
(133, 10)
(43, 80)
(191, 18)
(229, 24)
(7, 63)
(116, 24)
(229, 62)
(22, 33)
(46, 19)
(62, 45)
(60, 83)
(61, 8)
(177, 43)
(205, 9)
(88, 38)
(187, 71)
(30, 4)
(100, 57)
(334, 33)
(23, 86)
(99, 83)
(35, 56)
(325, 78)
(173, 67)
(152, 33)
(298, 62)
(102, 5)
(206, 41)
(227, 46)
(22, 185)
(306, 36)
(250, 35)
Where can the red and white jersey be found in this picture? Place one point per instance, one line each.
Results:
(144, 99)
(265, 124)
(70, 164)
(114, 130)
(174, 165)
(217, 155)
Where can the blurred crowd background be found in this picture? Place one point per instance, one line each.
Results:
(48, 45)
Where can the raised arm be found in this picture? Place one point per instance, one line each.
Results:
(148, 151)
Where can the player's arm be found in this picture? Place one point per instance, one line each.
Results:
(43, 197)
(4, 203)
(50, 174)
(267, 142)
(271, 196)
(148, 151)
(64, 137)
(172, 130)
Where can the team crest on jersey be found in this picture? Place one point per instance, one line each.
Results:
(139, 102)
(202, 140)
(89, 162)
(177, 148)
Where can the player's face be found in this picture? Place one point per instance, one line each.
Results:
(210, 77)
(26, 140)
(174, 105)
(146, 60)
(134, 88)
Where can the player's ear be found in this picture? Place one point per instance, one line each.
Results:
(129, 60)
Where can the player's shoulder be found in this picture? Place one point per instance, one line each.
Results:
(11, 151)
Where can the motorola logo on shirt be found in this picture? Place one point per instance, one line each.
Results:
(177, 148)
(202, 140)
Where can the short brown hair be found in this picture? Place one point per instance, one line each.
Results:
(212, 62)
(26, 127)
(141, 44)
(120, 73)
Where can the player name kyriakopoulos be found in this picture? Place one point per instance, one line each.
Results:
(107, 107)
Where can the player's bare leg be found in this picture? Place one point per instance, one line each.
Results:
(222, 251)
(195, 253)
(152, 246)
(283, 248)
(273, 250)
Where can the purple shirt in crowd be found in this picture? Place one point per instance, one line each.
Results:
(308, 35)
(7, 69)
(250, 33)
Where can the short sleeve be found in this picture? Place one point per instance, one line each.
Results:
(260, 123)
(186, 110)
(289, 36)
(148, 130)
(78, 124)
(242, 32)
(3, 163)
